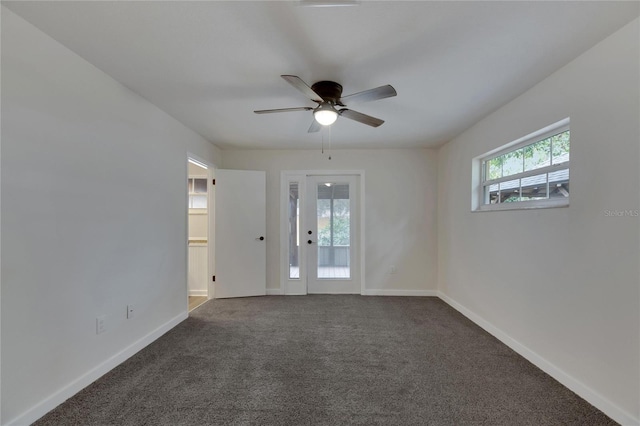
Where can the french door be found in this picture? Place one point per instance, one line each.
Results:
(330, 234)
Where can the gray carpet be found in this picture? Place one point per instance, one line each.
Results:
(326, 360)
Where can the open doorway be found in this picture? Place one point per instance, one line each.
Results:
(198, 233)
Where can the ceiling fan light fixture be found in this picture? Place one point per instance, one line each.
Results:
(325, 114)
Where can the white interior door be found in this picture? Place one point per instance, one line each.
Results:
(240, 223)
(332, 234)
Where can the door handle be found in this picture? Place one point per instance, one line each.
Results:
(309, 242)
(261, 238)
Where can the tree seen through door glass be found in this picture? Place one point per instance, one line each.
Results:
(334, 229)
(333, 218)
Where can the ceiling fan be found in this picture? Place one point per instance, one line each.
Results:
(328, 95)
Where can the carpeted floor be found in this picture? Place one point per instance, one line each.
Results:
(326, 360)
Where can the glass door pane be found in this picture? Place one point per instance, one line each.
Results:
(333, 215)
(331, 227)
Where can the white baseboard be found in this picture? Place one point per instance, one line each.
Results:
(370, 292)
(92, 375)
(198, 292)
(593, 397)
(392, 292)
(582, 390)
(274, 292)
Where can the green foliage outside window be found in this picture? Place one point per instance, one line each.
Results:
(536, 155)
(340, 233)
(341, 225)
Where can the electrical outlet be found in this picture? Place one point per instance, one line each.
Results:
(393, 269)
(101, 324)
(130, 311)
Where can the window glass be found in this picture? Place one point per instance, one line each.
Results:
(560, 144)
(537, 155)
(559, 184)
(494, 169)
(534, 187)
(198, 202)
(294, 226)
(535, 170)
(512, 163)
(200, 186)
(197, 186)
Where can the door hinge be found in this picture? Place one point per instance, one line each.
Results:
(213, 278)
(214, 182)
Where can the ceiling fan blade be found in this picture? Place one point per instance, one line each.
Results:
(360, 117)
(297, 82)
(370, 95)
(315, 127)
(269, 111)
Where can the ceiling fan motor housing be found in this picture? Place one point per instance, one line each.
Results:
(330, 91)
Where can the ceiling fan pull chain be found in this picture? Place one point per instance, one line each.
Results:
(329, 132)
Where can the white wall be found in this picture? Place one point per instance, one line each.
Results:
(77, 237)
(400, 218)
(564, 283)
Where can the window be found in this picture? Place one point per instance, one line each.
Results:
(333, 216)
(294, 235)
(530, 173)
(197, 193)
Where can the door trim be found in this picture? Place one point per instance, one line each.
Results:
(299, 286)
(211, 228)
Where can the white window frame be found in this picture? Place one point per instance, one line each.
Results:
(479, 165)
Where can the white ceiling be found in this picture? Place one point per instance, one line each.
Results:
(210, 64)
